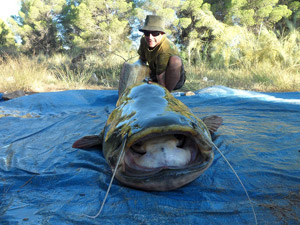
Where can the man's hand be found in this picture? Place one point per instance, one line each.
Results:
(148, 80)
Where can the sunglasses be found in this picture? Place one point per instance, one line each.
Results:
(153, 33)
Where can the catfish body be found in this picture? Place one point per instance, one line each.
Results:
(167, 146)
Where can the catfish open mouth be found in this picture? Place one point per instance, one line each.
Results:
(157, 153)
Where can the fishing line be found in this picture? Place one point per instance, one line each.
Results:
(251, 203)
(113, 176)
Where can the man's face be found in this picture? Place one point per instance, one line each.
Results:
(153, 38)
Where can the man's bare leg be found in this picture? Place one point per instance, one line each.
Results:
(171, 77)
(161, 79)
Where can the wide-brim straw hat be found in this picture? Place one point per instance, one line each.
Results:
(154, 23)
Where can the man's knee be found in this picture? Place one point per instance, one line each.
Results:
(175, 61)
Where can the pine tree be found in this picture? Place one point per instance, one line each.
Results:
(255, 13)
(37, 26)
(165, 8)
(197, 29)
(6, 35)
(100, 25)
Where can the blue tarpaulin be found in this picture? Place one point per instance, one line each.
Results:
(43, 180)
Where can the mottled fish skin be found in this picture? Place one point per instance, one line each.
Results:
(145, 112)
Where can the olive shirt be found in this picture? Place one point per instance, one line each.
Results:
(158, 57)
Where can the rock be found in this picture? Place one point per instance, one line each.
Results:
(19, 93)
(189, 93)
(93, 79)
(12, 95)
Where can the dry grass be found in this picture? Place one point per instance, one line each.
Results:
(45, 74)
(25, 74)
(263, 78)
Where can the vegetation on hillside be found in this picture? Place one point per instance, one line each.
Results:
(72, 44)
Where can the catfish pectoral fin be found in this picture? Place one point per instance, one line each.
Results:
(213, 123)
(88, 142)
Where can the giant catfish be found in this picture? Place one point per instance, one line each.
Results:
(165, 145)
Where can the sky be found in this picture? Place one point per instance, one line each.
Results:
(8, 8)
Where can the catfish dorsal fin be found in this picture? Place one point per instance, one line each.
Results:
(88, 142)
(213, 123)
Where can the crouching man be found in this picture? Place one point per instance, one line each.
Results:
(162, 56)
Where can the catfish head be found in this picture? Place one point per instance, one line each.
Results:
(167, 146)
